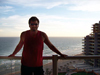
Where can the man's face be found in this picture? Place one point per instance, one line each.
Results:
(34, 25)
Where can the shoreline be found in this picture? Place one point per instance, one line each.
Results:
(63, 65)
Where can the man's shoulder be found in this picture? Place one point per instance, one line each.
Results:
(24, 32)
(43, 33)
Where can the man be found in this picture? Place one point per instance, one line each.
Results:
(33, 39)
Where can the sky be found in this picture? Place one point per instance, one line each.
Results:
(58, 18)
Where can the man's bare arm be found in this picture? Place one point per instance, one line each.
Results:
(19, 46)
(51, 46)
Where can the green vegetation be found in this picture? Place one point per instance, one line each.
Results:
(83, 73)
(61, 73)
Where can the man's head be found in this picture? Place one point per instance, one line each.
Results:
(33, 23)
(33, 18)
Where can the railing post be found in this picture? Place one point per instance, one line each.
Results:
(54, 60)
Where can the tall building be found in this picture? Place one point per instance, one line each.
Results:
(92, 45)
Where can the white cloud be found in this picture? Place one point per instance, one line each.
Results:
(51, 24)
(14, 21)
(5, 9)
(37, 3)
(1, 30)
(85, 5)
(13, 25)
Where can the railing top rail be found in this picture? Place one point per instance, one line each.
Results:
(82, 57)
(59, 57)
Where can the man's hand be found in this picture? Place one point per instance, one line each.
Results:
(64, 55)
(12, 55)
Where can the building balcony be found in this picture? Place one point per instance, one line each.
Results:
(90, 46)
(91, 43)
(83, 48)
(58, 65)
(83, 39)
(91, 53)
(99, 61)
(96, 25)
(98, 47)
(92, 38)
(98, 50)
(92, 50)
(85, 53)
(98, 54)
(91, 62)
(99, 43)
(98, 33)
(84, 45)
(83, 42)
(98, 40)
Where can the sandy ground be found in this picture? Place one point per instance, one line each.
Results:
(63, 65)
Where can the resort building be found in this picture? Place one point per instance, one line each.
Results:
(92, 45)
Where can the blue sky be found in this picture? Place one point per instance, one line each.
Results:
(58, 18)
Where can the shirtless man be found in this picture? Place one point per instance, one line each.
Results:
(32, 40)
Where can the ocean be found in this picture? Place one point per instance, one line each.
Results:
(66, 45)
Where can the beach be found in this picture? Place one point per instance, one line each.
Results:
(63, 65)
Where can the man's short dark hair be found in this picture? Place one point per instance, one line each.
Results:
(33, 18)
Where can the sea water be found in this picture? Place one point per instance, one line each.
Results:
(66, 45)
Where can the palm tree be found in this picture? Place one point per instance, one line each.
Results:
(47, 71)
